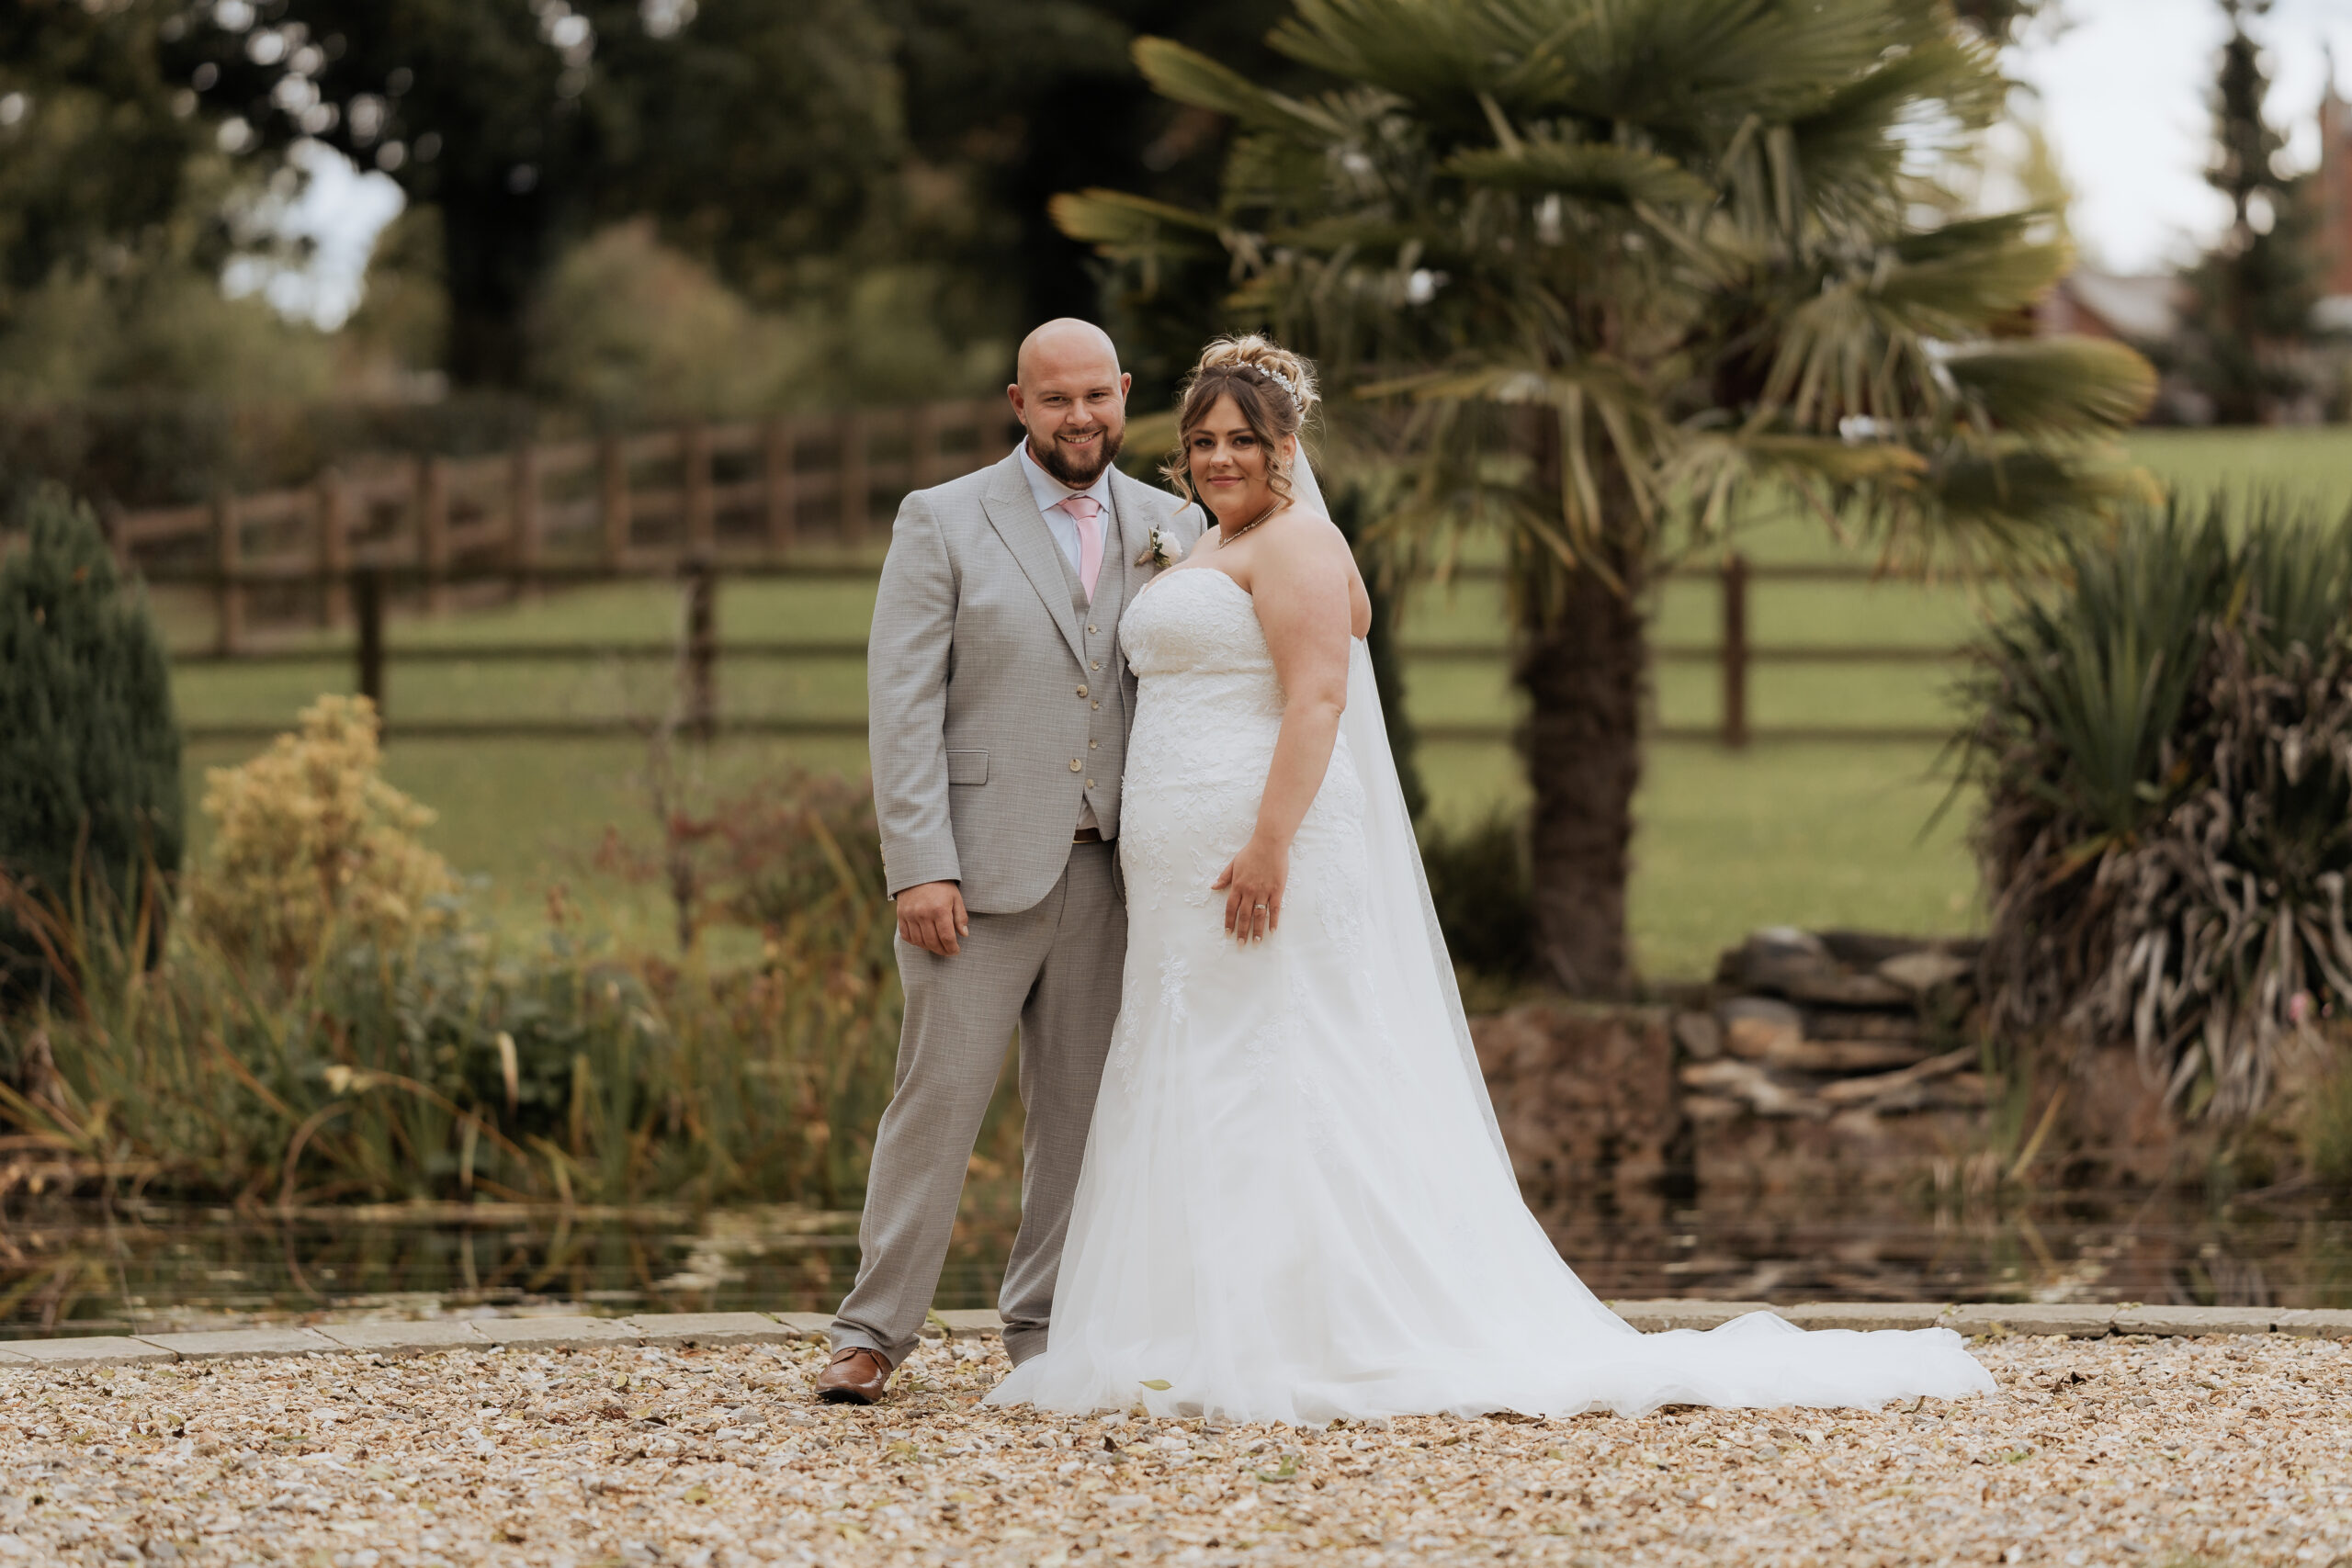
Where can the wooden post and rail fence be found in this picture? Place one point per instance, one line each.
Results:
(803, 497)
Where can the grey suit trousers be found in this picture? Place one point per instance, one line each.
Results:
(1054, 970)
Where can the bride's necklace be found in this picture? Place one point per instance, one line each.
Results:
(1223, 538)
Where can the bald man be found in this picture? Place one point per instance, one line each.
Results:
(999, 705)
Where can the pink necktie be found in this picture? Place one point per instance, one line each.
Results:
(1085, 511)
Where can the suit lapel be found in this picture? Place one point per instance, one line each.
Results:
(1130, 527)
(1011, 509)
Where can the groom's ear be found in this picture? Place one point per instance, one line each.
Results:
(1126, 380)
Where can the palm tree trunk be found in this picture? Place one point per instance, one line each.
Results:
(1584, 673)
(1583, 661)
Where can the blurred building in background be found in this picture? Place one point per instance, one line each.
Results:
(2335, 311)
(2123, 306)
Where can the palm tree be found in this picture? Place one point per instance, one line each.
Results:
(1585, 272)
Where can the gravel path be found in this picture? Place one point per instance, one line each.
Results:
(2123, 1450)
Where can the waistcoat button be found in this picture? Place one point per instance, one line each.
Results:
(1073, 764)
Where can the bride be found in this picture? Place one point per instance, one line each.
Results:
(1295, 1204)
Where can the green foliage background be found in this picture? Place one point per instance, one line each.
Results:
(610, 220)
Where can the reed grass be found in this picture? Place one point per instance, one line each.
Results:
(472, 1064)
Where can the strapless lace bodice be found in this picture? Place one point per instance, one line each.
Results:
(1185, 623)
(1208, 710)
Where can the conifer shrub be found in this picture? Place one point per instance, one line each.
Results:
(313, 852)
(89, 749)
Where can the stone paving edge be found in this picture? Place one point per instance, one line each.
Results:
(686, 1330)
(237, 1344)
(91, 1351)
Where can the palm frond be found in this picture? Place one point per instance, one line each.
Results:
(1592, 171)
(1151, 237)
(1996, 504)
(1767, 456)
(2055, 388)
(1844, 141)
(1975, 273)
(1191, 78)
(1114, 218)
(1416, 49)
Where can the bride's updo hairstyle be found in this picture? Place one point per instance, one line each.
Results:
(1274, 389)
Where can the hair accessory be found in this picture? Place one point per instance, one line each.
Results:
(1288, 385)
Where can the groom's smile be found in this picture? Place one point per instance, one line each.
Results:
(1071, 397)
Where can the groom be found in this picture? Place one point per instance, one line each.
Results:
(999, 707)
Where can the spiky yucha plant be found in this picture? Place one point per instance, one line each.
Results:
(2164, 747)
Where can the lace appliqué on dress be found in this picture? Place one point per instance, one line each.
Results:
(1145, 855)
(1173, 973)
(1126, 1044)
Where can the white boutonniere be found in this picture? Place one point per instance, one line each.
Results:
(1164, 550)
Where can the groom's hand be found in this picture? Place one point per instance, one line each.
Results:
(930, 915)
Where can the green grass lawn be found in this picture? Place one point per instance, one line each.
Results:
(1801, 834)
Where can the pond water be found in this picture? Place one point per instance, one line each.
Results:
(83, 1268)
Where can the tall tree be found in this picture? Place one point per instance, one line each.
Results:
(95, 140)
(2253, 294)
(758, 129)
(1599, 267)
(119, 208)
(793, 148)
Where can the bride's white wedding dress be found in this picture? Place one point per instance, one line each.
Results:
(1296, 1205)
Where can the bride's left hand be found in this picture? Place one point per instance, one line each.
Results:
(1252, 885)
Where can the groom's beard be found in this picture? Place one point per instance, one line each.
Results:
(1077, 476)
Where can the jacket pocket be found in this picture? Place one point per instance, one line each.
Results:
(967, 767)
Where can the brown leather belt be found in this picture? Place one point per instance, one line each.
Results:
(1087, 836)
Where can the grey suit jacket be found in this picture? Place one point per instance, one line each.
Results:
(998, 699)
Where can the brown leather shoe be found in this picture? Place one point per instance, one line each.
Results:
(855, 1376)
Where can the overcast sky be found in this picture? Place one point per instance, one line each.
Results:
(2122, 87)
(2125, 92)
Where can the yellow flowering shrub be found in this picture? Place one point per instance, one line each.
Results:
(312, 849)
